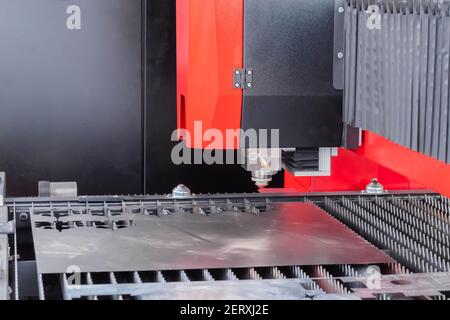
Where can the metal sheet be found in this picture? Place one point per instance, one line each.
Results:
(3, 257)
(290, 234)
(2, 188)
(339, 45)
(216, 290)
(396, 286)
(407, 285)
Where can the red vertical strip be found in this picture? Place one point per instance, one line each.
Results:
(210, 46)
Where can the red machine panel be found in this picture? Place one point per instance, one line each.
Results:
(432, 173)
(396, 167)
(352, 172)
(210, 46)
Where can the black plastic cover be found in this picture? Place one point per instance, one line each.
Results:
(289, 44)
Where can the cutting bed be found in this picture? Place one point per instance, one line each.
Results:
(319, 246)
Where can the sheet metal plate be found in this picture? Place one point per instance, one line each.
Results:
(290, 234)
(214, 290)
(3, 257)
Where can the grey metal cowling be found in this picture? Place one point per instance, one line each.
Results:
(397, 72)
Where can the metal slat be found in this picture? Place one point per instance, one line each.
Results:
(417, 238)
(401, 87)
(414, 227)
(4, 257)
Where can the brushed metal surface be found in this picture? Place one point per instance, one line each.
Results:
(3, 257)
(395, 286)
(215, 290)
(289, 234)
(2, 188)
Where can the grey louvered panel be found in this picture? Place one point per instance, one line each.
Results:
(397, 76)
(442, 152)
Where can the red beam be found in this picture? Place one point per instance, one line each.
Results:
(432, 173)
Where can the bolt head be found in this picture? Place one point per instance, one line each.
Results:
(341, 10)
(375, 187)
(249, 72)
(181, 191)
(340, 55)
(237, 85)
(249, 85)
(237, 72)
(23, 217)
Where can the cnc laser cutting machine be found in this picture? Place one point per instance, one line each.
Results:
(354, 97)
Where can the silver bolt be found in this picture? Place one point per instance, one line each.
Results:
(237, 85)
(340, 55)
(249, 72)
(341, 10)
(23, 216)
(181, 191)
(237, 72)
(249, 85)
(375, 187)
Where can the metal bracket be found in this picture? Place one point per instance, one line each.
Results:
(7, 228)
(243, 78)
(58, 189)
(339, 45)
(2, 188)
(322, 170)
(352, 137)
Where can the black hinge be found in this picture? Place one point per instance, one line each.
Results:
(243, 78)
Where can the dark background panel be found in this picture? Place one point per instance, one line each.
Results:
(71, 100)
(96, 105)
(289, 46)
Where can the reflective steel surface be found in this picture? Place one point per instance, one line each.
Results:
(3, 257)
(118, 239)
